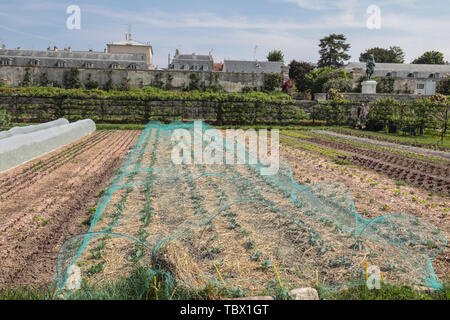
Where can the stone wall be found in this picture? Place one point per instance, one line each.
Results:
(230, 82)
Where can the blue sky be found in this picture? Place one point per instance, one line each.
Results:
(230, 28)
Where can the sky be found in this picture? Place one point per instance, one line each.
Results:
(230, 29)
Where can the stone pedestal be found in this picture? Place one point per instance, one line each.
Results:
(369, 87)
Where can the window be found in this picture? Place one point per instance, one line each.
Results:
(205, 68)
(6, 62)
(35, 62)
(132, 66)
(61, 64)
(420, 86)
(411, 75)
(88, 65)
(114, 65)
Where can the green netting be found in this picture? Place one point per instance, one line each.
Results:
(190, 222)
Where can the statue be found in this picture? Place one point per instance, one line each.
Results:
(370, 66)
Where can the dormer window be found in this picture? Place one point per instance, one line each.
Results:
(88, 65)
(389, 74)
(114, 65)
(35, 62)
(61, 64)
(6, 62)
(132, 66)
(411, 75)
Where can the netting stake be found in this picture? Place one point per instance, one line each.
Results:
(220, 275)
(276, 271)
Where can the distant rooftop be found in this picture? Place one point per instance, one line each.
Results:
(402, 69)
(129, 42)
(252, 66)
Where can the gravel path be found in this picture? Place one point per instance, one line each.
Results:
(433, 153)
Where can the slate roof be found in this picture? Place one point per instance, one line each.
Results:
(73, 58)
(252, 66)
(129, 43)
(192, 57)
(403, 70)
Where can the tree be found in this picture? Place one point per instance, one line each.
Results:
(391, 55)
(430, 57)
(316, 78)
(333, 51)
(272, 81)
(71, 79)
(443, 86)
(339, 84)
(275, 56)
(297, 72)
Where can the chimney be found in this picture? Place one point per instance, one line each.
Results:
(19, 48)
(90, 50)
(69, 49)
(177, 52)
(48, 48)
(104, 50)
(3, 46)
(169, 61)
(55, 48)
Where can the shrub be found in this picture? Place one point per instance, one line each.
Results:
(315, 79)
(273, 81)
(70, 79)
(5, 120)
(90, 84)
(340, 84)
(443, 86)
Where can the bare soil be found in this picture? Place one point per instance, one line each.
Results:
(46, 201)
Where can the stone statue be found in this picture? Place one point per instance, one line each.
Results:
(370, 66)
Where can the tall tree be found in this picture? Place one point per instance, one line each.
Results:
(297, 72)
(391, 55)
(430, 57)
(275, 55)
(333, 51)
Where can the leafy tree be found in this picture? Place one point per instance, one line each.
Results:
(71, 79)
(26, 82)
(441, 113)
(339, 84)
(90, 84)
(297, 72)
(275, 55)
(316, 78)
(430, 57)
(333, 51)
(443, 86)
(43, 79)
(273, 81)
(391, 55)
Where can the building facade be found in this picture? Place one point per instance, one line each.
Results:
(130, 46)
(71, 59)
(418, 79)
(193, 62)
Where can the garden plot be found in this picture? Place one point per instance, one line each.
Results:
(228, 224)
(46, 201)
(422, 170)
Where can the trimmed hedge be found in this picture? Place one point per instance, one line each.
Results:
(41, 104)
